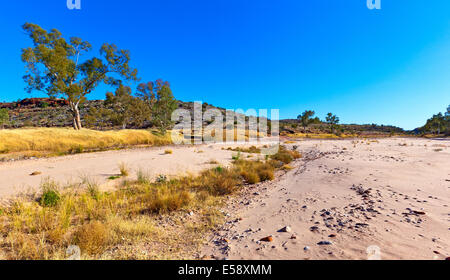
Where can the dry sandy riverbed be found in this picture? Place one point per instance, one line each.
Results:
(388, 199)
(15, 177)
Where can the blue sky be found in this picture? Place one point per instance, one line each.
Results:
(388, 66)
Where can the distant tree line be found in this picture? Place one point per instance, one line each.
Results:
(438, 124)
(152, 105)
(307, 118)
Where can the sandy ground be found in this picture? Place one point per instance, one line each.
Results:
(382, 200)
(15, 177)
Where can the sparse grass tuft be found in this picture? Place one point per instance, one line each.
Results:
(236, 156)
(166, 199)
(250, 150)
(124, 169)
(168, 152)
(92, 238)
(142, 177)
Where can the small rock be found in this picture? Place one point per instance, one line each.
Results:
(267, 239)
(314, 228)
(285, 229)
(35, 173)
(293, 236)
(332, 235)
(306, 248)
(325, 243)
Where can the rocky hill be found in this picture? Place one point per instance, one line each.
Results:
(46, 112)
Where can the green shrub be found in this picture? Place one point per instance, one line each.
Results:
(50, 198)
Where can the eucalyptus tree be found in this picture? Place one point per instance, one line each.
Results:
(4, 117)
(54, 66)
(161, 102)
(306, 118)
(332, 120)
(126, 109)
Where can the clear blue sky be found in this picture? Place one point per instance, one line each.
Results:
(388, 66)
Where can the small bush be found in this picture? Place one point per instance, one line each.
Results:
(266, 174)
(219, 181)
(286, 156)
(50, 195)
(168, 152)
(250, 177)
(92, 238)
(219, 169)
(161, 179)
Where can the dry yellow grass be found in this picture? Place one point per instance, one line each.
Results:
(320, 135)
(126, 223)
(59, 141)
(139, 220)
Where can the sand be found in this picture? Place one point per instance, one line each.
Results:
(382, 200)
(15, 177)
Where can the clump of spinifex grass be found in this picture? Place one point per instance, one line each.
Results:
(250, 150)
(286, 156)
(141, 220)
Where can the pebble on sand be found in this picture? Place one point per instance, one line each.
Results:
(267, 239)
(285, 229)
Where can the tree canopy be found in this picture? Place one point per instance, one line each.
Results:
(54, 67)
(306, 118)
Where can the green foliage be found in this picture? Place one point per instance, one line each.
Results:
(236, 156)
(438, 123)
(120, 109)
(126, 109)
(43, 104)
(163, 108)
(4, 117)
(50, 195)
(306, 118)
(54, 66)
(332, 120)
